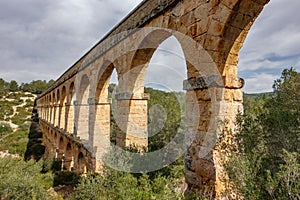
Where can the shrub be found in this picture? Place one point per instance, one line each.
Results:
(22, 180)
(65, 178)
(5, 129)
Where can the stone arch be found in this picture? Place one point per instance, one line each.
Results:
(57, 96)
(51, 136)
(70, 108)
(55, 144)
(82, 109)
(82, 93)
(71, 93)
(103, 80)
(50, 108)
(54, 108)
(81, 164)
(131, 100)
(220, 27)
(99, 118)
(57, 108)
(61, 147)
(134, 79)
(69, 159)
(168, 78)
(55, 137)
(201, 110)
(62, 108)
(47, 107)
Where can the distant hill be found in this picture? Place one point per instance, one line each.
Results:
(256, 96)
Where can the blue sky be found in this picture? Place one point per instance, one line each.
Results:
(41, 39)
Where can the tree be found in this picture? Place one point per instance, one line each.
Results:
(37, 86)
(3, 87)
(13, 86)
(266, 163)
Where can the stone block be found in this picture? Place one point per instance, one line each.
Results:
(250, 8)
(229, 3)
(205, 169)
(187, 19)
(233, 95)
(192, 179)
(189, 5)
(201, 12)
(222, 13)
(216, 28)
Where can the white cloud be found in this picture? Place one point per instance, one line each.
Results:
(259, 83)
(272, 44)
(46, 37)
(41, 39)
(167, 67)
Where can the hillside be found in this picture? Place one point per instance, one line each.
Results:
(264, 163)
(15, 119)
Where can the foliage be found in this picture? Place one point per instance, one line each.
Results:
(36, 87)
(3, 87)
(120, 185)
(164, 117)
(13, 86)
(6, 109)
(22, 116)
(15, 142)
(4, 129)
(22, 180)
(266, 163)
(65, 178)
(15, 95)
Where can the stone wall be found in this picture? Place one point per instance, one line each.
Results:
(75, 111)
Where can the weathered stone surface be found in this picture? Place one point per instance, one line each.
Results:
(201, 83)
(205, 169)
(75, 110)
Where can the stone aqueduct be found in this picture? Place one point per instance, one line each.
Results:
(75, 111)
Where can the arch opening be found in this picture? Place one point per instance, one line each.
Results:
(62, 109)
(69, 160)
(70, 111)
(81, 164)
(100, 112)
(165, 73)
(82, 110)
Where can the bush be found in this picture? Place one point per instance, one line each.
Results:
(5, 129)
(119, 185)
(66, 178)
(15, 143)
(265, 164)
(22, 180)
(15, 95)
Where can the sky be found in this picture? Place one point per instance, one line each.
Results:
(40, 40)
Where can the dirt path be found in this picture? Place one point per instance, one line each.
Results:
(12, 125)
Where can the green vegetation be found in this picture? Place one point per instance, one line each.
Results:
(164, 116)
(16, 141)
(266, 163)
(4, 129)
(23, 180)
(119, 185)
(34, 87)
